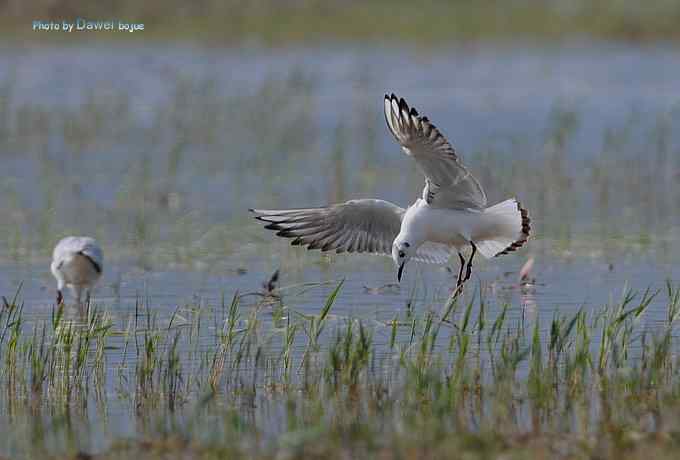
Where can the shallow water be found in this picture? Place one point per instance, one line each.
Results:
(173, 220)
(159, 152)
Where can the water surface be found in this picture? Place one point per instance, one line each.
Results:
(159, 152)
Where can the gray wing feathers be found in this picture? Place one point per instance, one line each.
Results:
(94, 255)
(364, 226)
(355, 226)
(448, 183)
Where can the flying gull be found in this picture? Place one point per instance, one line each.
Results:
(450, 215)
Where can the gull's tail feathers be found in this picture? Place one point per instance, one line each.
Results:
(511, 229)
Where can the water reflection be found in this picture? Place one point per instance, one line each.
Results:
(161, 165)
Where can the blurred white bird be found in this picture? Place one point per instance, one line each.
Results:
(77, 262)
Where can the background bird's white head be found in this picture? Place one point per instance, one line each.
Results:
(402, 251)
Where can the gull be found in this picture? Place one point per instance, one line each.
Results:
(77, 262)
(451, 214)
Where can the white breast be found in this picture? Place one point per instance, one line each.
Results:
(447, 226)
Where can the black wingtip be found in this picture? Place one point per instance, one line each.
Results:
(393, 98)
(257, 215)
(403, 105)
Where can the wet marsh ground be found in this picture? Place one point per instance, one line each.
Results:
(186, 353)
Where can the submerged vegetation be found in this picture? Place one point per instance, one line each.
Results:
(170, 173)
(161, 163)
(249, 380)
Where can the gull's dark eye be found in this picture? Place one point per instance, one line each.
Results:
(401, 254)
(407, 245)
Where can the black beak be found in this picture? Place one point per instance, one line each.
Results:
(401, 270)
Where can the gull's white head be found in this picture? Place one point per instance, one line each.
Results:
(402, 251)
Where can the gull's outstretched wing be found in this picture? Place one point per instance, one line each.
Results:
(448, 183)
(355, 226)
(368, 226)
